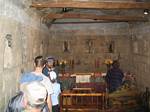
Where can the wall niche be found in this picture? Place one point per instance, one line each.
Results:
(8, 55)
(66, 46)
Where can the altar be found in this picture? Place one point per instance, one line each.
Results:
(83, 80)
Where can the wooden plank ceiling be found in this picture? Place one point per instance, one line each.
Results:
(95, 5)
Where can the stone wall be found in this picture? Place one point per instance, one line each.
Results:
(22, 37)
(89, 44)
(141, 53)
(105, 0)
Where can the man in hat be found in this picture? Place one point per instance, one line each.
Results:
(50, 66)
(31, 98)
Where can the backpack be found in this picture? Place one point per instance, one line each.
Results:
(15, 104)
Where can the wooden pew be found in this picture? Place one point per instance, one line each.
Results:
(83, 102)
(98, 87)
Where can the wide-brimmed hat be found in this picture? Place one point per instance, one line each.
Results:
(35, 92)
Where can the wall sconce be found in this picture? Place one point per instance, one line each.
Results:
(9, 39)
(146, 12)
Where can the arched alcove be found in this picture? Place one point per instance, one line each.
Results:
(8, 55)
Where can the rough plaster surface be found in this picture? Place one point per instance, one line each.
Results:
(28, 33)
(141, 53)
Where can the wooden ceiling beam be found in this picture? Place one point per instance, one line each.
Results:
(92, 5)
(95, 17)
(84, 22)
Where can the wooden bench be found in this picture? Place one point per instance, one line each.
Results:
(97, 87)
(82, 101)
(82, 90)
